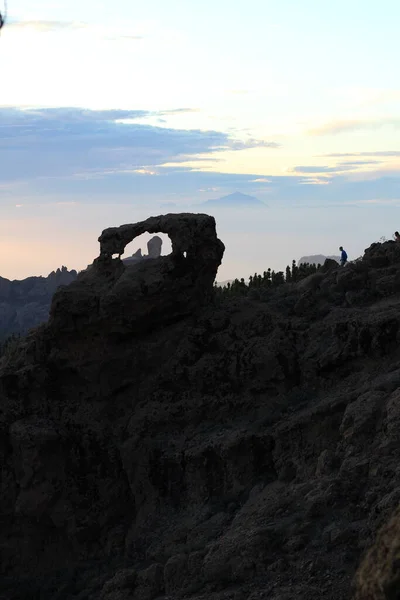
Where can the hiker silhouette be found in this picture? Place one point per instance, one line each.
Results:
(343, 256)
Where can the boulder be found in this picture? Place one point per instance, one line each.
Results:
(329, 265)
(154, 247)
(382, 254)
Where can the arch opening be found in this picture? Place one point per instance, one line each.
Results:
(147, 245)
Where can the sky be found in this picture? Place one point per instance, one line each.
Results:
(113, 112)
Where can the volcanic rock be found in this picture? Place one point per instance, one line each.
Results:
(154, 247)
(159, 439)
(125, 298)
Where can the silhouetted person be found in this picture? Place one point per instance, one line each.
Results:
(343, 256)
(396, 236)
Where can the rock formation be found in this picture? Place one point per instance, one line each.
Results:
(135, 256)
(379, 575)
(26, 304)
(127, 298)
(224, 283)
(159, 442)
(154, 246)
(317, 259)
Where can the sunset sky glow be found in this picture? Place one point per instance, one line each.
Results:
(110, 110)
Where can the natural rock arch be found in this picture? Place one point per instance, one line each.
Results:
(143, 294)
(193, 234)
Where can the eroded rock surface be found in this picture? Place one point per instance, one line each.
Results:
(233, 449)
(379, 575)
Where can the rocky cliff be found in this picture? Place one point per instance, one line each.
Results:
(25, 304)
(161, 442)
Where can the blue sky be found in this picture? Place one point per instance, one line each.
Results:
(108, 111)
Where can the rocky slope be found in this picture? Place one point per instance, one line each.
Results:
(25, 304)
(158, 443)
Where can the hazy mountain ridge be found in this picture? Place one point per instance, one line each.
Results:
(26, 303)
(317, 259)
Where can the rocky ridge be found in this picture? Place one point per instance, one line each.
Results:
(159, 442)
(25, 304)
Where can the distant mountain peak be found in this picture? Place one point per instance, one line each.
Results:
(317, 259)
(235, 199)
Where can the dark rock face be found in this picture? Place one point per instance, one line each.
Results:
(379, 575)
(237, 449)
(26, 304)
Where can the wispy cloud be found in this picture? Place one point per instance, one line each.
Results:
(379, 201)
(339, 168)
(383, 153)
(313, 169)
(59, 142)
(61, 154)
(252, 143)
(185, 185)
(345, 126)
(177, 111)
(46, 26)
(128, 38)
(315, 181)
(146, 171)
